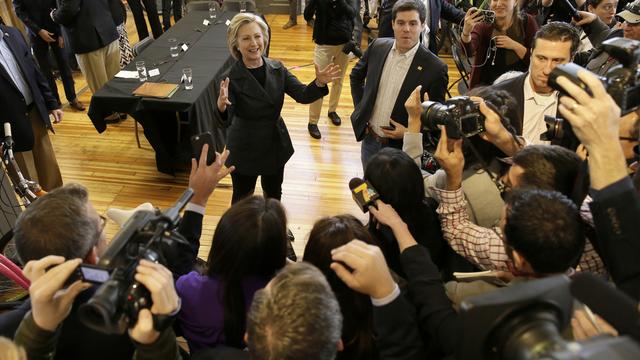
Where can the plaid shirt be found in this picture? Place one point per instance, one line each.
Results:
(483, 246)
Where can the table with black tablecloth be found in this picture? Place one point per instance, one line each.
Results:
(206, 56)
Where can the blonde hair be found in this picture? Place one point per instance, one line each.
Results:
(10, 351)
(237, 22)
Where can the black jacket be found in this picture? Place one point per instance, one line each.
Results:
(426, 70)
(89, 23)
(257, 136)
(35, 15)
(333, 23)
(12, 102)
(616, 211)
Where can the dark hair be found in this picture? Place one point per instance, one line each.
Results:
(594, 3)
(357, 327)
(548, 167)
(399, 181)
(249, 240)
(559, 31)
(295, 317)
(57, 224)
(500, 101)
(409, 5)
(544, 227)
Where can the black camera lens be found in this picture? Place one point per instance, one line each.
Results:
(434, 114)
(101, 311)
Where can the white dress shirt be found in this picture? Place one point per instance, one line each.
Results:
(427, 21)
(536, 106)
(394, 71)
(9, 63)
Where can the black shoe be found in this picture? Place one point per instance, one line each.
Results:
(113, 118)
(310, 23)
(290, 24)
(314, 131)
(335, 119)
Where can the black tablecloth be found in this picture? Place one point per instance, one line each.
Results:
(206, 56)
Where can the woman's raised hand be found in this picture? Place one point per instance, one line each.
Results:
(327, 75)
(473, 16)
(223, 96)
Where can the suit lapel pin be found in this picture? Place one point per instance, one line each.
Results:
(419, 68)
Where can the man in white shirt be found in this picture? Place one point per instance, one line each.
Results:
(555, 43)
(386, 75)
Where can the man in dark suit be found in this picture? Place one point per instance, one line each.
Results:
(436, 9)
(27, 103)
(555, 43)
(45, 35)
(65, 223)
(92, 36)
(387, 74)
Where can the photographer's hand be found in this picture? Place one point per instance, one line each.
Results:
(203, 179)
(450, 157)
(50, 303)
(387, 215)
(595, 121)
(471, 18)
(370, 275)
(414, 109)
(159, 281)
(495, 132)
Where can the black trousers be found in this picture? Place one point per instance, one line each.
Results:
(293, 10)
(245, 185)
(152, 15)
(41, 52)
(166, 12)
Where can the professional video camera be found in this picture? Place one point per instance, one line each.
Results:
(525, 321)
(460, 116)
(621, 81)
(146, 235)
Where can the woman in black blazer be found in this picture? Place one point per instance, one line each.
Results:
(250, 100)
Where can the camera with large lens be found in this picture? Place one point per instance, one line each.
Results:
(460, 116)
(621, 81)
(526, 321)
(115, 305)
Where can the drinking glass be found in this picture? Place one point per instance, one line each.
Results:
(188, 78)
(173, 47)
(243, 6)
(142, 71)
(213, 9)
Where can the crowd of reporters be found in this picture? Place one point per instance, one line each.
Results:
(387, 289)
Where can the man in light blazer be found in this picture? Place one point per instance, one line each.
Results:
(383, 79)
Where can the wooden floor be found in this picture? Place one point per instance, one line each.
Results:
(118, 174)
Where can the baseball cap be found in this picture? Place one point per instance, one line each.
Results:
(631, 12)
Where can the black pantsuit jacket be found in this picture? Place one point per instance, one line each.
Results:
(426, 70)
(12, 102)
(257, 136)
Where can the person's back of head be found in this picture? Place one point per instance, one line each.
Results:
(327, 234)
(548, 167)
(295, 317)
(249, 240)
(545, 228)
(60, 223)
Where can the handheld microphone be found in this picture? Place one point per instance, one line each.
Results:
(8, 140)
(363, 193)
(614, 306)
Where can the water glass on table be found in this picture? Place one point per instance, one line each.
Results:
(243, 6)
(213, 9)
(187, 75)
(142, 71)
(173, 47)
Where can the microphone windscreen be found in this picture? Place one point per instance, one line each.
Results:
(355, 182)
(612, 305)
